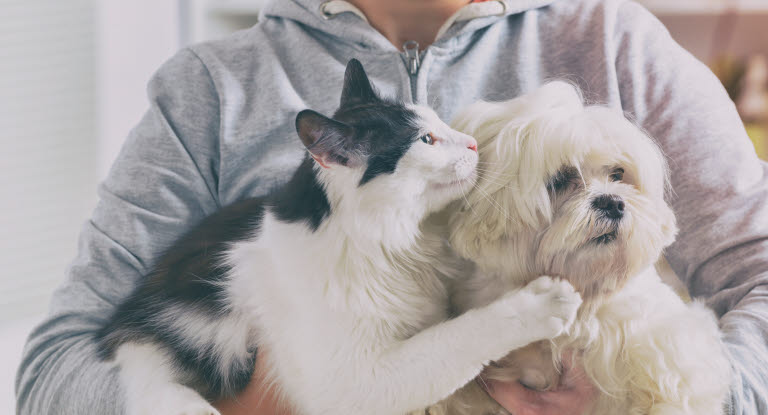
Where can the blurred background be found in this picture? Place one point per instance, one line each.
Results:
(72, 84)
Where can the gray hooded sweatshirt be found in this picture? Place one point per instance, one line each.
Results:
(220, 128)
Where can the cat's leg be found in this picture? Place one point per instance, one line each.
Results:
(437, 361)
(151, 385)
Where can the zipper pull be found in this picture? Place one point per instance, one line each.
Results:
(411, 49)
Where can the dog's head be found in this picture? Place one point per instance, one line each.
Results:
(565, 189)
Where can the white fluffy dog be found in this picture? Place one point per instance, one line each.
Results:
(578, 192)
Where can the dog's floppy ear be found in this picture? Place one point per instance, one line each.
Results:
(479, 224)
(466, 239)
(668, 225)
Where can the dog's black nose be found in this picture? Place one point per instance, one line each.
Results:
(610, 205)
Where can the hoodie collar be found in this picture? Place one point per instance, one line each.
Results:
(342, 19)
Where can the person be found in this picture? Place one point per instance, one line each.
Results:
(220, 128)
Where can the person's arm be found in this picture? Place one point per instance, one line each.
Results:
(719, 190)
(163, 182)
(260, 397)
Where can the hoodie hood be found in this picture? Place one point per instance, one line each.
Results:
(346, 22)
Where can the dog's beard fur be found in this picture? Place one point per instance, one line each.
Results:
(545, 160)
(575, 192)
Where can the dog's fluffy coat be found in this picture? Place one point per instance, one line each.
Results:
(578, 192)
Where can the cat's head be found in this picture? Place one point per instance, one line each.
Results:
(379, 153)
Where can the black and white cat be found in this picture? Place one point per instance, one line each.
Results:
(333, 274)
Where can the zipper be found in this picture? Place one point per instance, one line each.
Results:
(412, 63)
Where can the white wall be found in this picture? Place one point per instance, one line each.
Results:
(47, 158)
(73, 76)
(710, 36)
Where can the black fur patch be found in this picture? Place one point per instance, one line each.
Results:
(384, 131)
(302, 199)
(188, 276)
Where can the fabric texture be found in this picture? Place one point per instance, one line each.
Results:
(220, 127)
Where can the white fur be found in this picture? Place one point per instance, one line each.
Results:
(353, 315)
(151, 384)
(647, 351)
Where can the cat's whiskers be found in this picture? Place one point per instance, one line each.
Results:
(500, 181)
(485, 385)
(493, 202)
(464, 195)
(494, 168)
(496, 173)
(490, 163)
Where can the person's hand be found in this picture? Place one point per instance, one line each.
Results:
(257, 398)
(573, 396)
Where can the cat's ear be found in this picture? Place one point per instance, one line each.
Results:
(357, 88)
(328, 141)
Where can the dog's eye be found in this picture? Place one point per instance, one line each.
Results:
(565, 177)
(427, 139)
(617, 175)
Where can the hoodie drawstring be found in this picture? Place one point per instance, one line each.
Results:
(332, 8)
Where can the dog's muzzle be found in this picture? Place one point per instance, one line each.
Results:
(610, 206)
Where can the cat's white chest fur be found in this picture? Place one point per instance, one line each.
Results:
(289, 265)
(308, 291)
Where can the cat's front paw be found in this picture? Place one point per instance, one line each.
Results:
(193, 409)
(190, 403)
(546, 307)
(172, 400)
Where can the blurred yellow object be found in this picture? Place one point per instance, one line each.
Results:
(730, 71)
(752, 103)
(759, 135)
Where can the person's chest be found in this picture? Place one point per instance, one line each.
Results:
(261, 97)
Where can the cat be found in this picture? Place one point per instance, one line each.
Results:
(332, 275)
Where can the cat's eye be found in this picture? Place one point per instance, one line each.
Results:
(427, 139)
(617, 174)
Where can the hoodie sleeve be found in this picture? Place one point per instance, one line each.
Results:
(163, 182)
(720, 190)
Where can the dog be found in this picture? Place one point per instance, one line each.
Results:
(578, 192)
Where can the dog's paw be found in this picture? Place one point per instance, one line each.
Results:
(545, 308)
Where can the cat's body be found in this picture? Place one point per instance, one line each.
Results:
(333, 275)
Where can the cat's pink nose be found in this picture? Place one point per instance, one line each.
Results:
(472, 146)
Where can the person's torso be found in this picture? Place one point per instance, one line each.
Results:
(265, 75)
